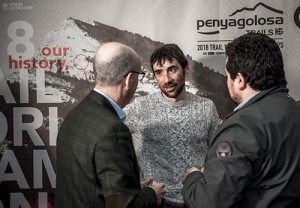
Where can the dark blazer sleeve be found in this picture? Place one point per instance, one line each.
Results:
(224, 179)
(118, 172)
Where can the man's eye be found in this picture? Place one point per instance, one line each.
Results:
(157, 73)
(173, 69)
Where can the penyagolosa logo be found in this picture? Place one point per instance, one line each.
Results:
(213, 26)
(297, 17)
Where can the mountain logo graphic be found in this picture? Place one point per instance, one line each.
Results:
(241, 22)
(254, 8)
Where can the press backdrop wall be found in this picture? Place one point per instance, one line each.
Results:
(46, 54)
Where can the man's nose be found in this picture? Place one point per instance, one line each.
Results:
(167, 77)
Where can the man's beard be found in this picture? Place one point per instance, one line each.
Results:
(177, 91)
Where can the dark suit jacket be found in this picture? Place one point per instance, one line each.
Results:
(96, 161)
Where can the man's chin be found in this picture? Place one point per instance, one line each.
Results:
(170, 95)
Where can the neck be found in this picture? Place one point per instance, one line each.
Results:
(113, 92)
(247, 93)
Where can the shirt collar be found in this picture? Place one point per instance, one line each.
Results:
(117, 108)
(245, 101)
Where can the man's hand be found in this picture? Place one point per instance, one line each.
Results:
(190, 170)
(159, 189)
(146, 183)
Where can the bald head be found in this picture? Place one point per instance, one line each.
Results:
(112, 61)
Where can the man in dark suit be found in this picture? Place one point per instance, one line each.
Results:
(96, 162)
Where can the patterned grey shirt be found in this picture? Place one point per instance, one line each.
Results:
(170, 136)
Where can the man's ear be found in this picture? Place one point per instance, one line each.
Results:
(127, 81)
(187, 69)
(240, 81)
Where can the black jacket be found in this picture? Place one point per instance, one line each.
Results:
(254, 159)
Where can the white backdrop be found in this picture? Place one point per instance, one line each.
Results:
(46, 66)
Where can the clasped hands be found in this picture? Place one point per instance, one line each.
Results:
(158, 187)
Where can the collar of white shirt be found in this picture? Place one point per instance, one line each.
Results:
(117, 108)
(245, 101)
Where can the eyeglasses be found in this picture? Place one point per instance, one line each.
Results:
(141, 75)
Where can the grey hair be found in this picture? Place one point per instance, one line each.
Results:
(111, 72)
